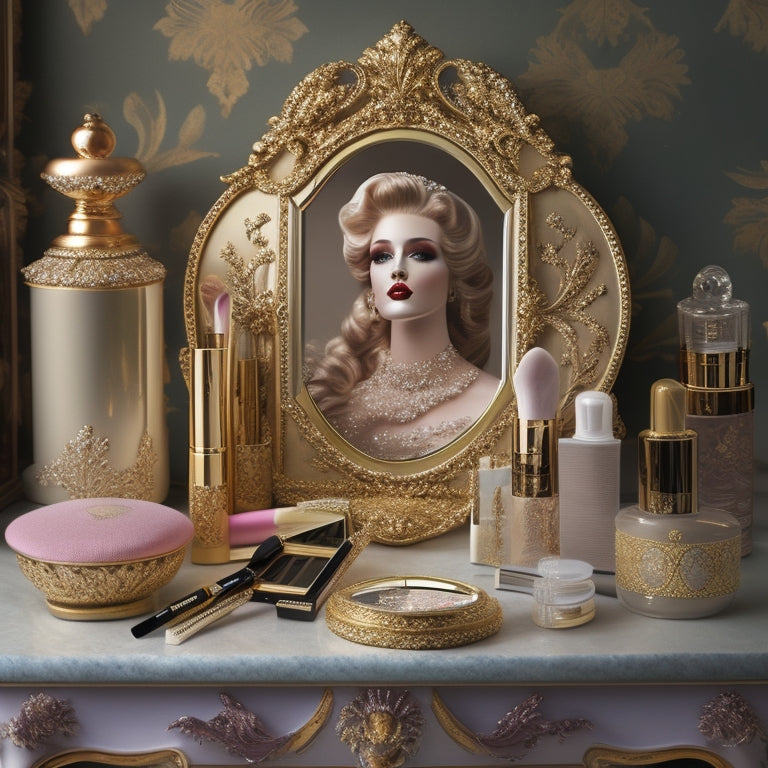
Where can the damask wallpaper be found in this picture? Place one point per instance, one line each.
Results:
(661, 105)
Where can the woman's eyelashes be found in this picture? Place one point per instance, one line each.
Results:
(424, 254)
(419, 254)
(381, 257)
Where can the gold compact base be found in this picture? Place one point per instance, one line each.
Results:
(413, 613)
(101, 612)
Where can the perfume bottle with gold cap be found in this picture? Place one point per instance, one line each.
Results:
(98, 358)
(714, 366)
(674, 559)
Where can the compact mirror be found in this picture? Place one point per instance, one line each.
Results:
(413, 612)
(314, 418)
(414, 595)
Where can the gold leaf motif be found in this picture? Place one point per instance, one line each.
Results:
(151, 128)
(749, 216)
(747, 19)
(227, 37)
(84, 471)
(569, 307)
(565, 87)
(253, 306)
(87, 13)
(399, 64)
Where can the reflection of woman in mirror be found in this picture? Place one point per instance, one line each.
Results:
(405, 376)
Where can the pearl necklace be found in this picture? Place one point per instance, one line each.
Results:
(397, 393)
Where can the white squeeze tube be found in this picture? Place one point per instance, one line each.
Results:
(589, 483)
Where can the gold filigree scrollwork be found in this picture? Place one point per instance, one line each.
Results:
(404, 81)
(253, 305)
(516, 732)
(382, 727)
(41, 718)
(569, 307)
(241, 732)
(376, 498)
(83, 469)
(208, 506)
(254, 313)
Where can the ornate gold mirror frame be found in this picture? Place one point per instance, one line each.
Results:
(560, 280)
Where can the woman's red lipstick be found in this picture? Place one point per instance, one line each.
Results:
(399, 292)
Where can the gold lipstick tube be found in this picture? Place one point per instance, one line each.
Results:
(209, 457)
(534, 527)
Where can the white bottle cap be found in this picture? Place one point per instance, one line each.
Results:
(594, 416)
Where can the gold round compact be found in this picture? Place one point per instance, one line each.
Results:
(413, 613)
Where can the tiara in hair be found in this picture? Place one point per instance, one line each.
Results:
(428, 184)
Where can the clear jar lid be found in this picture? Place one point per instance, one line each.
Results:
(710, 320)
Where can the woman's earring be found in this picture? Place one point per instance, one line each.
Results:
(371, 301)
(451, 293)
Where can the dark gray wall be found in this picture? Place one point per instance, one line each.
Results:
(662, 107)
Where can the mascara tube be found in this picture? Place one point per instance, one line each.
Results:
(209, 486)
(714, 368)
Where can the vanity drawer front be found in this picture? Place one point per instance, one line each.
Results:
(413, 726)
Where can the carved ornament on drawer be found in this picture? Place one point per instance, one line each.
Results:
(517, 731)
(728, 720)
(41, 718)
(241, 732)
(382, 727)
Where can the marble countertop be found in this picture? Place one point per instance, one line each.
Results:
(253, 646)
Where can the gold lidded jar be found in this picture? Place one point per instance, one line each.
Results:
(96, 304)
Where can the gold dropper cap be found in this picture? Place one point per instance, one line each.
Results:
(667, 482)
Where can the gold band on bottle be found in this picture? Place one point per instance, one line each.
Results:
(534, 458)
(720, 370)
(667, 473)
(700, 401)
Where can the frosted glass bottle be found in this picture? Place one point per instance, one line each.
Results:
(674, 560)
(714, 366)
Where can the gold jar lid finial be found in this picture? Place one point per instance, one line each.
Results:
(94, 252)
(94, 138)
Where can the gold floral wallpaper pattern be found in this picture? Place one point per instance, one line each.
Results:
(660, 104)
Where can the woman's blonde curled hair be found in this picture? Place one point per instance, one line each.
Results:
(354, 354)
